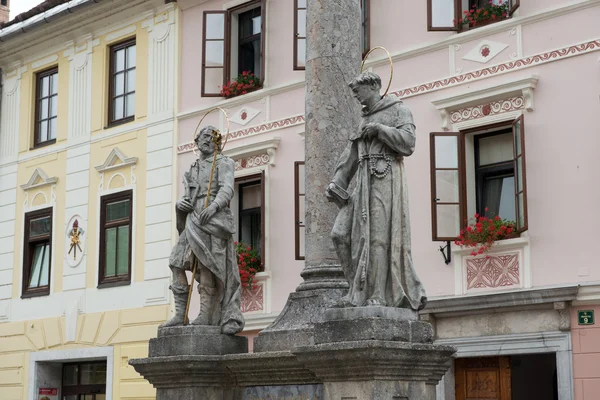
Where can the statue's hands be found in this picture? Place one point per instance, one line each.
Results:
(208, 213)
(185, 205)
(371, 130)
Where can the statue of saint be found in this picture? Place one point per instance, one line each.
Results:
(371, 233)
(206, 237)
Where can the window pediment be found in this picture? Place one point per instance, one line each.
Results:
(38, 179)
(521, 87)
(267, 146)
(116, 159)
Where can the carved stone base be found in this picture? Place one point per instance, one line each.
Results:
(195, 340)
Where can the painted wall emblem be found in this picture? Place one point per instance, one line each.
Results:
(76, 239)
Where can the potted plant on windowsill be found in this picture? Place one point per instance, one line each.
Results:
(249, 263)
(245, 82)
(485, 15)
(483, 232)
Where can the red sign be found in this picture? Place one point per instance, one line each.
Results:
(48, 394)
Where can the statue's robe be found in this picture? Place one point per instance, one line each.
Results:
(212, 244)
(373, 228)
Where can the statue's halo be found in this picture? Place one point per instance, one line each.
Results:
(202, 119)
(391, 65)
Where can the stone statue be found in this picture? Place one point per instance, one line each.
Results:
(371, 233)
(206, 236)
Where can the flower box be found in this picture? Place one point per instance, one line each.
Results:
(245, 82)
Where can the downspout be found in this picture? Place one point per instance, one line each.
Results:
(48, 16)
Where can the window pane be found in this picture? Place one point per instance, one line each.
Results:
(301, 178)
(214, 54)
(507, 204)
(70, 375)
(52, 131)
(213, 80)
(131, 56)
(123, 250)
(119, 60)
(495, 149)
(256, 25)
(448, 220)
(54, 84)
(301, 241)
(118, 108)
(519, 174)
(117, 210)
(119, 84)
(301, 209)
(521, 204)
(517, 136)
(111, 248)
(215, 26)
(446, 185)
(45, 86)
(130, 105)
(301, 61)
(43, 127)
(53, 106)
(131, 81)
(39, 226)
(251, 196)
(93, 374)
(40, 265)
(446, 152)
(442, 13)
(301, 3)
(44, 109)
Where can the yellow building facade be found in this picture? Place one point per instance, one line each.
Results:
(86, 196)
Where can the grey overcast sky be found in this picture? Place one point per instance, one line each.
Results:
(19, 6)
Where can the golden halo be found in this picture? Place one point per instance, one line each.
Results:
(391, 65)
(202, 119)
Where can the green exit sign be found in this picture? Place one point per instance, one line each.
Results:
(585, 317)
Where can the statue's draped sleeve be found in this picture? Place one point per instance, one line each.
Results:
(225, 175)
(401, 137)
(347, 165)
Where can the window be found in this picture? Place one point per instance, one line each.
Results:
(250, 211)
(37, 253)
(299, 213)
(474, 170)
(84, 381)
(233, 42)
(300, 31)
(442, 15)
(4, 2)
(46, 107)
(121, 105)
(115, 239)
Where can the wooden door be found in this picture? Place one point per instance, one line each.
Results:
(483, 378)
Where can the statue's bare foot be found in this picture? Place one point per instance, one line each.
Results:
(344, 302)
(175, 321)
(375, 301)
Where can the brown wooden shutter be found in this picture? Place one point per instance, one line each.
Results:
(262, 216)
(483, 378)
(433, 7)
(299, 33)
(518, 128)
(214, 52)
(263, 35)
(447, 185)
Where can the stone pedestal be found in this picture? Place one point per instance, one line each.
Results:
(185, 362)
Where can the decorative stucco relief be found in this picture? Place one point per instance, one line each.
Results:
(493, 271)
(252, 299)
(252, 161)
(491, 108)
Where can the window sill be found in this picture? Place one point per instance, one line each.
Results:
(31, 294)
(481, 24)
(114, 284)
(498, 247)
(252, 90)
(43, 144)
(119, 122)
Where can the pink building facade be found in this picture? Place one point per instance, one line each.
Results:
(506, 120)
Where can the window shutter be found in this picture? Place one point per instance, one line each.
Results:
(518, 128)
(513, 5)
(442, 15)
(263, 35)
(262, 216)
(214, 52)
(447, 185)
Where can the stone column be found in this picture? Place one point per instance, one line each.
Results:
(333, 59)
